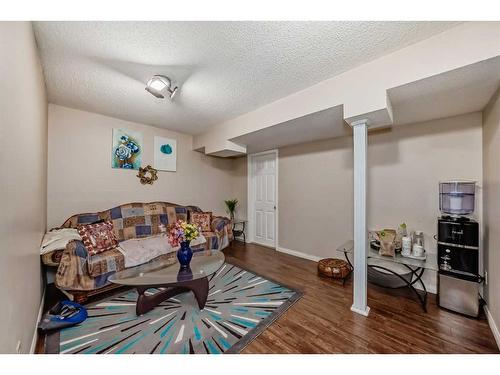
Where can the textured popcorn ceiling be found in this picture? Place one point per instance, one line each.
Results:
(224, 69)
(455, 92)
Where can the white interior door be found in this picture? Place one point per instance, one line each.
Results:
(264, 175)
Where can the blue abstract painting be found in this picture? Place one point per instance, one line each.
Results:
(165, 155)
(126, 149)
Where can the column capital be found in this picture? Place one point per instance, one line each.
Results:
(359, 122)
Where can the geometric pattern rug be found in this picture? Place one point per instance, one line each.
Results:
(240, 306)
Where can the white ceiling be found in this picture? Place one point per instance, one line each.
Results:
(463, 90)
(325, 124)
(224, 68)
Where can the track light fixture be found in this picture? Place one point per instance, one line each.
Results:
(161, 86)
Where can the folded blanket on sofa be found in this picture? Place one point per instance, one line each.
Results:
(141, 250)
(57, 239)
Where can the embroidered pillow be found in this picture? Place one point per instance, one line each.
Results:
(98, 237)
(202, 220)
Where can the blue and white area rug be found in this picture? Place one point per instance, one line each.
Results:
(240, 306)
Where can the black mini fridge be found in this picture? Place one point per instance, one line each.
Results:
(458, 259)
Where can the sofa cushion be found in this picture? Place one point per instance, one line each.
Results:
(202, 219)
(190, 210)
(98, 237)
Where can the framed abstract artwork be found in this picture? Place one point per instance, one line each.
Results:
(127, 149)
(165, 154)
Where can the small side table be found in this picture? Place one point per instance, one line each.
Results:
(379, 272)
(239, 229)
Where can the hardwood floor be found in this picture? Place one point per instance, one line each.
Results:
(321, 321)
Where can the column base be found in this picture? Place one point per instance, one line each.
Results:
(364, 312)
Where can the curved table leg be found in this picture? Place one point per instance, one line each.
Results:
(419, 279)
(418, 272)
(200, 290)
(423, 300)
(146, 303)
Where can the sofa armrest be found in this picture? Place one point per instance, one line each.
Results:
(219, 222)
(52, 259)
(72, 266)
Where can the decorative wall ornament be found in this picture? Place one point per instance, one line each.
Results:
(165, 154)
(147, 175)
(127, 149)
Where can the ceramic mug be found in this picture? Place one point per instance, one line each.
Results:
(418, 250)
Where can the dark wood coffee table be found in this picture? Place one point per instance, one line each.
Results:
(162, 273)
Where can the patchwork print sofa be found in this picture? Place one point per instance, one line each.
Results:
(82, 275)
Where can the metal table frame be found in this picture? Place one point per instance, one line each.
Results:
(241, 231)
(415, 271)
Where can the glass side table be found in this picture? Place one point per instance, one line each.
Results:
(407, 275)
(239, 229)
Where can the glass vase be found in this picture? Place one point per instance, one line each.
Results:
(184, 254)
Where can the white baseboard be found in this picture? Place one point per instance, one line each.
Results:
(493, 325)
(38, 318)
(299, 254)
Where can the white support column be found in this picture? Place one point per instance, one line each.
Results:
(360, 131)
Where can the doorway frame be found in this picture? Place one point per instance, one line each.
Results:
(251, 195)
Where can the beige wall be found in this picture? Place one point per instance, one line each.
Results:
(23, 147)
(80, 177)
(491, 170)
(405, 165)
(239, 174)
(315, 196)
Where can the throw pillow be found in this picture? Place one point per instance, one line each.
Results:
(98, 237)
(202, 220)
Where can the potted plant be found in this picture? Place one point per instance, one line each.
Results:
(231, 207)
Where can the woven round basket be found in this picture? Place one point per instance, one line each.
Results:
(335, 268)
